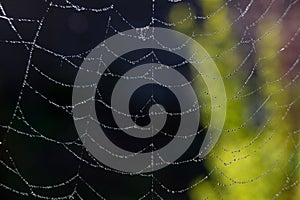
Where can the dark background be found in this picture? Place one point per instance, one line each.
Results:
(27, 98)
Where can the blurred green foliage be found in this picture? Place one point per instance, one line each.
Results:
(257, 155)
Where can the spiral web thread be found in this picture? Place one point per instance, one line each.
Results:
(10, 167)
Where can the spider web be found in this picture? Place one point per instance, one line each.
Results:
(43, 157)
